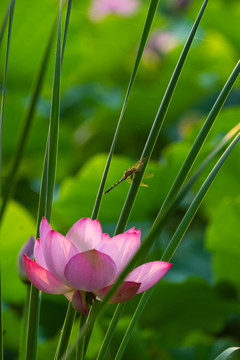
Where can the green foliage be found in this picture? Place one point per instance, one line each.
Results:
(222, 239)
(84, 76)
(194, 314)
(199, 309)
(227, 354)
(227, 119)
(180, 316)
(77, 194)
(18, 225)
(11, 329)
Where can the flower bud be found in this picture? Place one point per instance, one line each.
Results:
(27, 249)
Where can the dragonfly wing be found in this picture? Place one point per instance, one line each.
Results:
(148, 175)
(144, 185)
(129, 179)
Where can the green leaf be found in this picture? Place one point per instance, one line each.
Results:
(227, 353)
(200, 308)
(223, 239)
(227, 183)
(137, 348)
(1, 322)
(17, 226)
(77, 193)
(12, 329)
(199, 316)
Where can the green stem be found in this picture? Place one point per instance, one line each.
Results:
(1, 321)
(65, 332)
(196, 203)
(110, 331)
(49, 174)
(23, 333)
(152, 138)
(64, 339)
(147, 27)
(157, 125)
(184, 171)
(164, 217)
(148, 23)
(54, 123)
(80, 351)
(11, 12)
(4, 23)
(33, 323)
(89, 333)
(171, 204)
(27, 122)
(141, 252)
(44, 182)
(175, 241)
(146, 30)
(69, 7)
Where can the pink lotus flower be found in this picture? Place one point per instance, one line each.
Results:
(86, 262)
(160, 44)
(102, 8)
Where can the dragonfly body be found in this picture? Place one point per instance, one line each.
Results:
(129, 174)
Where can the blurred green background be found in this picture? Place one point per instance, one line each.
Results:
(195, 311)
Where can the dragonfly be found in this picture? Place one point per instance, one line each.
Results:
(130, 173)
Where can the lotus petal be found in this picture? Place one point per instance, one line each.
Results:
(57, 251)
(148, 274)
(44, 228)
(90, 271)
(126, 291)
(38, 254)
(79, 302)
(43, 279)
(85, 234)
(122, 247)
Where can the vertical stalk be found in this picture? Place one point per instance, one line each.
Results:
(157, 125)
(48, 182)
(65, 333)
(11, 12)
(150, 16)
(1, 323)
